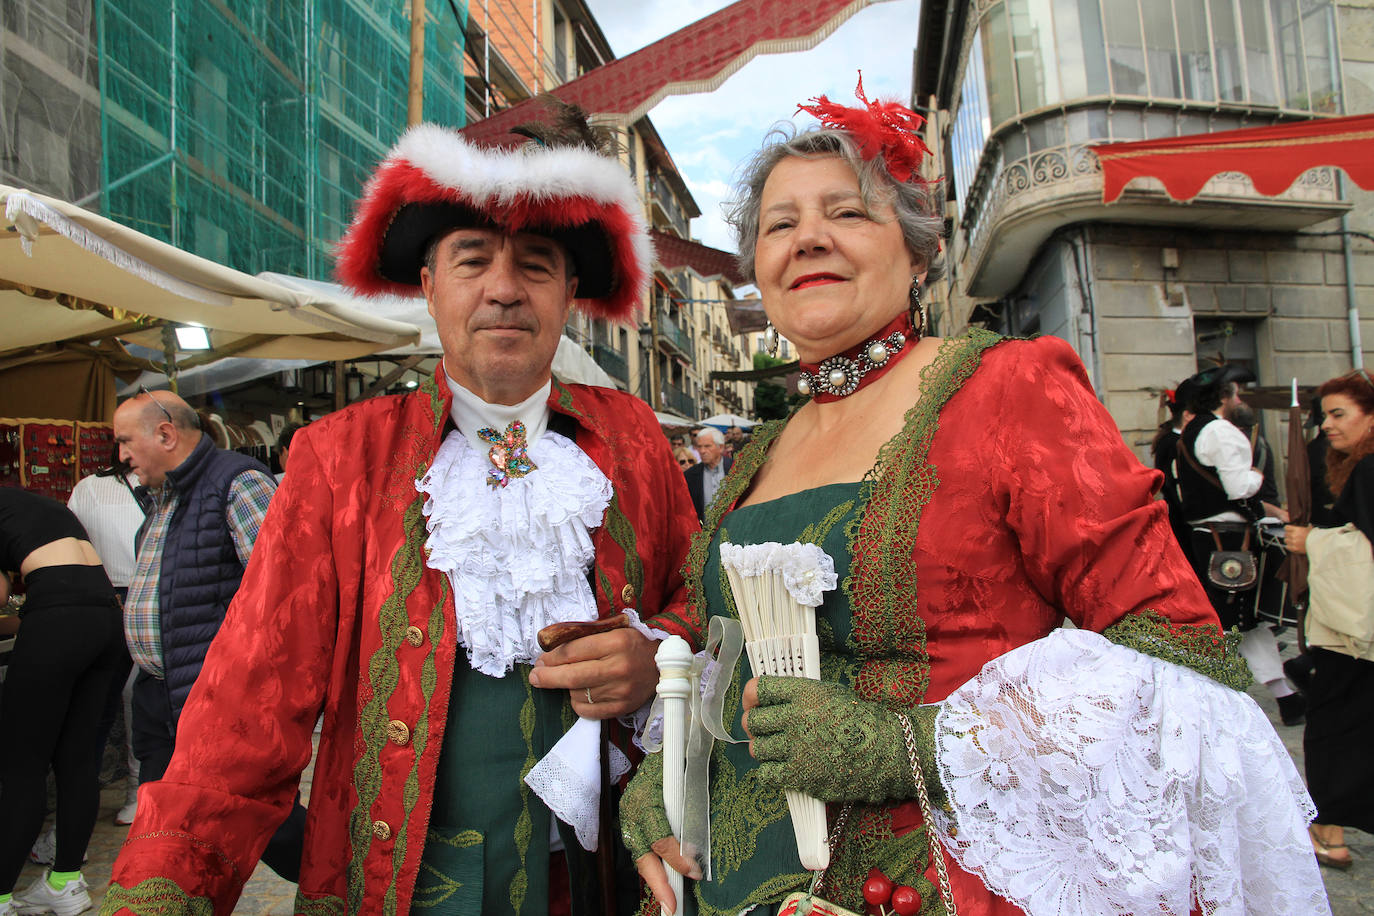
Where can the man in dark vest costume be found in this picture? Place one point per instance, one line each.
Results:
(413, 553)
(1219, 489)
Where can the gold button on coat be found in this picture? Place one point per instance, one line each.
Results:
(627, 594)
(381, 830)
(398, 732)
(415, 636)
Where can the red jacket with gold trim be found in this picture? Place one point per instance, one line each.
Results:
(339, 614)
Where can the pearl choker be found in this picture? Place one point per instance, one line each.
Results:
(844, 373)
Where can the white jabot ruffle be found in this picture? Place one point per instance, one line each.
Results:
(517, 556)
(1088, 778)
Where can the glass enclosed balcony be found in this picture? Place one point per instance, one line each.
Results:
(1045, 79)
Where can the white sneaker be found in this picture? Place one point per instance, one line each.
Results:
(7, 908)
(41, 898)
(44, 849)
(125, 815)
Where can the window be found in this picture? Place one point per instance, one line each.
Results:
(560, 47)
(1033, 44)
(1319, 43)
(1125, 47)
(1259, 58)
(1230, 82)
(1161, 49)
(971, 124)
(1195, 51)
(1082, 50)
(1001, 83)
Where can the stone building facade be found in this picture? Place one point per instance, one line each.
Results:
(1148, 289)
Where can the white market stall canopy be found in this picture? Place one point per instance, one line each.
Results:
(571, 363)
(70, 276)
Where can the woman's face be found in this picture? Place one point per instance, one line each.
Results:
(830, 273)
(1345, 424)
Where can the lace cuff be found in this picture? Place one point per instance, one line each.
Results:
(568, 779)
(1200, 647)
(1087, 778)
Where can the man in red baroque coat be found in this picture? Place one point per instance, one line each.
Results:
(407, 563)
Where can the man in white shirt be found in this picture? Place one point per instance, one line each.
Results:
(1219, 488)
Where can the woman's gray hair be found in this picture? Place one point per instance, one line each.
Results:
(917, 204)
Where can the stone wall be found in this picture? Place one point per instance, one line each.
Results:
(1289, 288)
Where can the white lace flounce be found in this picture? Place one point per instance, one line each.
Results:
(1089, 779)
(568, 779)
(516, 556)
(807, 570)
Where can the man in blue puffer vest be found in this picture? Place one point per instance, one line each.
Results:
(204, 506)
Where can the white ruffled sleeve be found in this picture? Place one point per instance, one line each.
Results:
(1086, 778)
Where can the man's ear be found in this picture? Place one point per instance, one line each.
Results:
(427, 287)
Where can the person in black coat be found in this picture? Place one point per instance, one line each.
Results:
(704, 477)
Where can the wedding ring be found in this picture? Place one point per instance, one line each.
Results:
(589, 696)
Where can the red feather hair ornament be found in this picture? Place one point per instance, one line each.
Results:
(889, 129)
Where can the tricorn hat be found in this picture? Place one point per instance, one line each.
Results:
(1197, 388)
(434, 181)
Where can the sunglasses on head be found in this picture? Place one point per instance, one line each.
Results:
(160, 406)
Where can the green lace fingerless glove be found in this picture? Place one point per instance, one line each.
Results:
(821, 738)
(643, 819)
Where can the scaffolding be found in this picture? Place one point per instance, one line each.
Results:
(243, 130)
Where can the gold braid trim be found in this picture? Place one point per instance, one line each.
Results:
(881, 586)
(623, 533)
(384, 674)
(155, 897)
(1200, 647)
(329, 905)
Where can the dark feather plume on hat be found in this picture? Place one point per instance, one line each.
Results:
(567, 125)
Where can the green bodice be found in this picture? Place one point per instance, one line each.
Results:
(754, 850)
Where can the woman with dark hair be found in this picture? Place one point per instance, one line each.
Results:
(69, 650)
(1340, 696)
(972, 494)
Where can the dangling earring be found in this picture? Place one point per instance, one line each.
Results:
(770, 340)
(917, 309)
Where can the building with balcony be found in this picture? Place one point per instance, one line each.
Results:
(1147, 289)
(243, 131)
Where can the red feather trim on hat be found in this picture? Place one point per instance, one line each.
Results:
(398, 182)
(886, 128)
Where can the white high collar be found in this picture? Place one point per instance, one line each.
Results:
(470, 413)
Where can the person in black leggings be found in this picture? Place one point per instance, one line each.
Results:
(69, 647)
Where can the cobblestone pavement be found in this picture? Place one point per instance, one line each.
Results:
(1351, 892)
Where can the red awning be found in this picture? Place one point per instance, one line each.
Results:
(1273, 157)
(697, 58)
(673, 251)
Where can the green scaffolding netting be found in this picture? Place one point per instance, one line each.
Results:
(243, 130)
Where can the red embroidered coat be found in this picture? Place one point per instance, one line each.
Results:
(339, 613)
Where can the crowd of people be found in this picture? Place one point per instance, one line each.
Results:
(1222, 496)
(465, 587)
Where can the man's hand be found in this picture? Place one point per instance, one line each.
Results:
(1295, 537)
(606, 675)
(1277, 512)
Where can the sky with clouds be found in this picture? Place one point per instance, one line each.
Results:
(710, 134)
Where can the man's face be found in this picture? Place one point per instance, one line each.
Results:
(1230, 400)
(500, 302)
(708, 450)
(142, 443)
